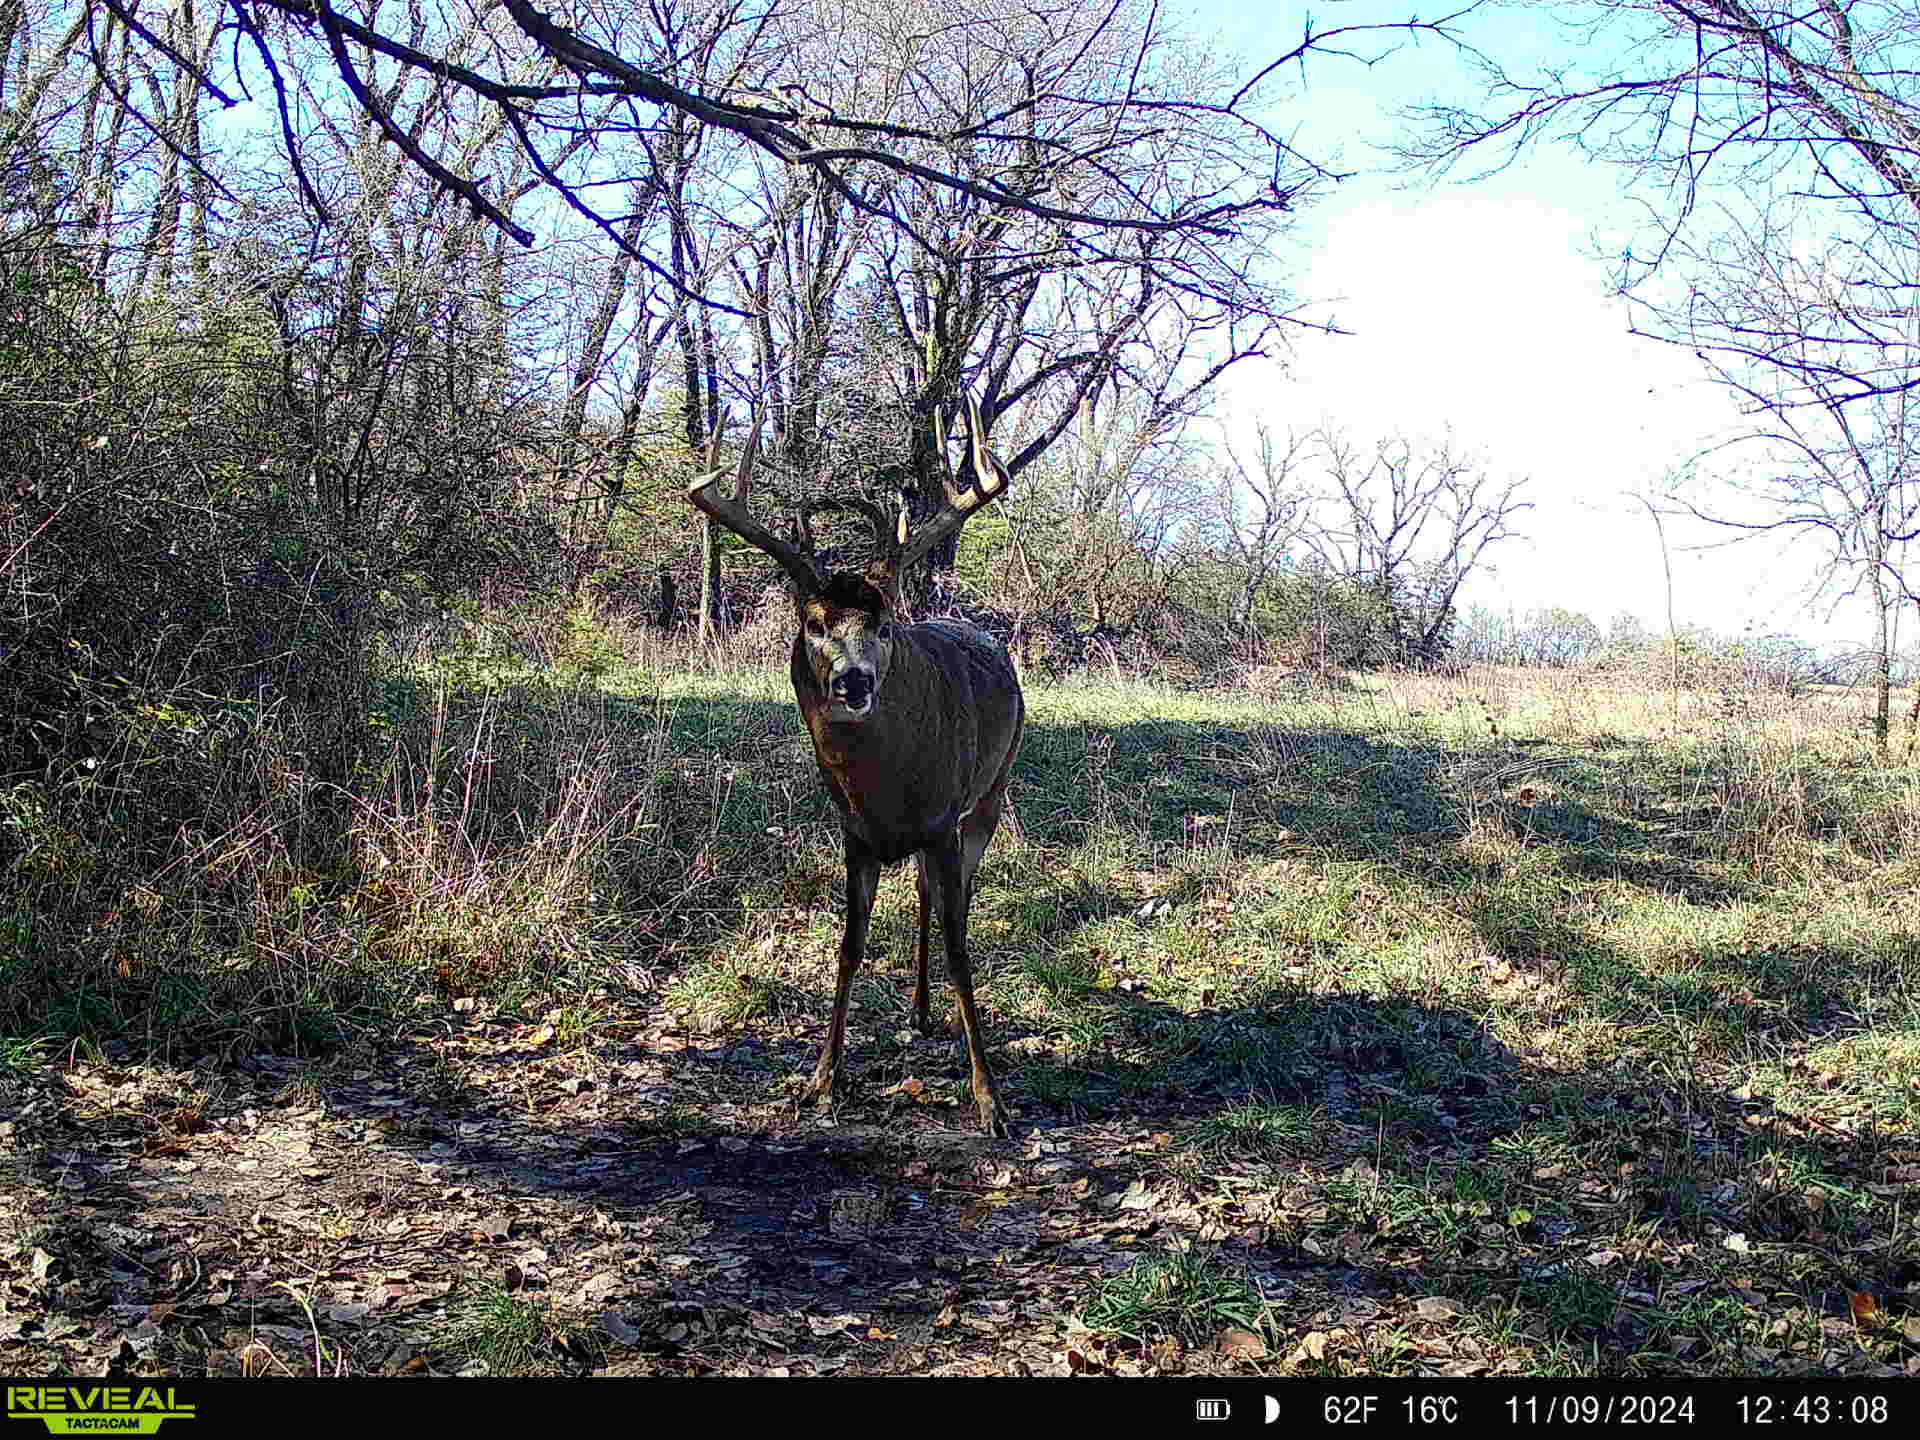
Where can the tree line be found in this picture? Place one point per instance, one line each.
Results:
(320, 316)
(283, 373)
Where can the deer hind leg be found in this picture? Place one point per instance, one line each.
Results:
(948, 864)
(924, 885)
(863, 882)
(976, 830)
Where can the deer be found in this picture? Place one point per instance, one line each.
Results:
(915, 727)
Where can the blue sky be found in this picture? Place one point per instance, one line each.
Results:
(1484, 307)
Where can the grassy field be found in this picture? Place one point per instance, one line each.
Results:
(1509, 1024)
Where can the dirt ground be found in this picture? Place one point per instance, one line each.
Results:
(286, 1217)
(487, 1196)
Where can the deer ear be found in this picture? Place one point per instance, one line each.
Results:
(884, 578)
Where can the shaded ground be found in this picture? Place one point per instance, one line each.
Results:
(643, 1207)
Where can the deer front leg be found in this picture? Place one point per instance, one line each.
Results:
(953, 888)
(863, 882)
(921, 1020)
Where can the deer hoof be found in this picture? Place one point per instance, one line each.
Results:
(993, 1119)
(817, 1091)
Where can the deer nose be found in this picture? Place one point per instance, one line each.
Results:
(855, 686)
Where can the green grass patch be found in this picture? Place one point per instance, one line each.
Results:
(501, 1333)
(1187, 1295)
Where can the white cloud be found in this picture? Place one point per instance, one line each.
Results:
(1481, 308)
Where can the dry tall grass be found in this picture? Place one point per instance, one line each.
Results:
(562, 800)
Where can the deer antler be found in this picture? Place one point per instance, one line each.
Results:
(990, 481)
(731, 510)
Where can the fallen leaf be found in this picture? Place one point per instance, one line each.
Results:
(1137, 1197)
(617, 1329)
(1242, 1343)
(831, 1324)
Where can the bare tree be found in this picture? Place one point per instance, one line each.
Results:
(595, 350)
(1094, 544)
(1819, 347)
(605, 69)
(1484, 636)
(1711, 100)
(865, 331)
(1261, 512)
(1558, 637)
(1409, 523)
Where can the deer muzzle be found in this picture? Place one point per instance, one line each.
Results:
(852, 688)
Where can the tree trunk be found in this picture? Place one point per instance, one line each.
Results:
(199, 247)
(593, 351)
(1882, 661)
(163, 225)
(710, 596)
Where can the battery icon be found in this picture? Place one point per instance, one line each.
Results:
(1211, 1409)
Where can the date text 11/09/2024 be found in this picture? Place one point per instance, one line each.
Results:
(1669, 1406)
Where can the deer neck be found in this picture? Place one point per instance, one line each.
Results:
(889, 773)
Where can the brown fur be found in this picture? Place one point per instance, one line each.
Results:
(915, 728)
(923, 774)
(946, 720)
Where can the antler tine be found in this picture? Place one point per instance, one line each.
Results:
(990, 476)
(713, 442)
(989, 483)
(731, 510)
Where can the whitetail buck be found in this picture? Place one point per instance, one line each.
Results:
(914, 726)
